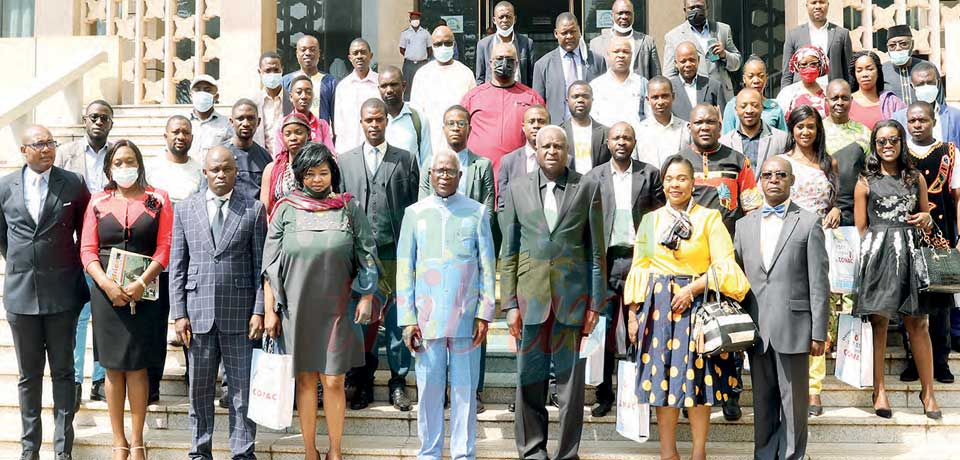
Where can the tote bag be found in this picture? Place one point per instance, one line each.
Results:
(854, 352)
(633, 417)
(271, 387)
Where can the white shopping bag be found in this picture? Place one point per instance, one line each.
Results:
(843, 251)
(592, 348)
(854, 351)
(271, 387)
(633, 418)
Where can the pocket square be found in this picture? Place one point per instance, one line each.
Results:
(67, 203)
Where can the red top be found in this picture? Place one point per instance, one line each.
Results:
(496, 119)
(142, 225)
(869, 115)
(319, 132)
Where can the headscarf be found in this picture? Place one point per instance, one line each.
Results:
(304, 202)
(282, 161)
(806, 51)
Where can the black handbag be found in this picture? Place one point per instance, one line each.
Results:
(937, 264)
(722, 325)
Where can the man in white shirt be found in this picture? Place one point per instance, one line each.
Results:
(663, 134)
(406, 127)
(586, 138)
(176, 172)
(620, 94)
(351, 93)
(415, 48)
(271, 105)
(209, 127)
(644, 59)
(440, 84)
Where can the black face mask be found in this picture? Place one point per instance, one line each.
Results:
(696, 17)
(504, 67)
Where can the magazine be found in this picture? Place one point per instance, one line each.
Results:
(125, 267)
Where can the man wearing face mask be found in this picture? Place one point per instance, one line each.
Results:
(570, 61)
(644, 60)
(324, 85)
(926, 84)
(416, 48)
(272, 102)
(719, 56)
(504, 17)
(209, 127)
(440, 84)
(896, 71)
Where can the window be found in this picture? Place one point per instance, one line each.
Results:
(16, 18)
(335, 23)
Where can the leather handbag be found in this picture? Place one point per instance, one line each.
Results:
(937, 264)
(722, 325)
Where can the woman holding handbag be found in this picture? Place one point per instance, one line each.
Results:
(676, 246)
(890, 204)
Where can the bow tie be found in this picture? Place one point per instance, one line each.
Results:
(779, 210)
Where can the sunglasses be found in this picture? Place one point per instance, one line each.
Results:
(95, 117)
(888, 141)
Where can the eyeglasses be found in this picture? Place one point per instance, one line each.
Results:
(767, 175)
(95, 117)
(38, 146)
(446, 43)
(445, 172)
(883, 142)
(457, 123)
(898, 45)
(804, 65)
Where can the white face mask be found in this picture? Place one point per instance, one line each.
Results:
(125, 177)
(622, 30)
(927, 93)
(415, 23)
(505, 33)
(271, 80)
(202, 101)
(443, 53)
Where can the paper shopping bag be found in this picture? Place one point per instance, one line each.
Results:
(843, 251)
(592, 349)
(633, 418)
(854, 351)
(271, 387)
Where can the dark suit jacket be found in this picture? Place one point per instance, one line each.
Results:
(788, 301)
(479, 180)
(709, 91)
(599, 151)
(839, 51)
(647, 192)
(512, 166)
(398, 176)
(561, 271)
(44, 275)
(548, 79)
(525, 55)
(217, 285)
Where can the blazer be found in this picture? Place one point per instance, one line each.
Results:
(717, 70)
(71, 156)
(788, 300)
(839, 51)
(328, 86)
(217, 285)
(646, 60)
(599, 152)
(646, 191)
(44, 275)
(548, 79)
(709, 91)
(398, 177)
(478, 177)
(512, 166)
(773, 142)
(562, 271)
(524, 46)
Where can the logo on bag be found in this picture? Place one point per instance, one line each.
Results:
(266, 395)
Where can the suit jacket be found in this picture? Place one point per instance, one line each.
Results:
(398, 177)
(646, 60)
(773, 142)
(70, 156)
(561, 271)
(217, 285)
(479, 180)
(789, 299)
(709, 91)
(548, 79)
(512, 166)
(525, 56)
(839, 51)
(646, 191)
(599, 152)
(44, 274)
(717, 70)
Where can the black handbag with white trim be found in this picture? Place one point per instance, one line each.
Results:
(722, 325)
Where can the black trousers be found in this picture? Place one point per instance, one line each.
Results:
(38, 338)
(619, 259)
(155, 374)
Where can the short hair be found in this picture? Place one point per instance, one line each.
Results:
(852, 79)
(566, 16)
(177, 118)
(99, 102)
(551, 128)
(300, 77)
(108, 164)
(458, 108)
(922, 105)
(445, 152)
(361, 40)
(269, 55)
(755, 58)
(537, 107)
(314, 154)
(660, 80)
(504, 4)
(925, 66)
(579, 83)
(391, 69)
(672, 160)
(373, 103)
(245, 102)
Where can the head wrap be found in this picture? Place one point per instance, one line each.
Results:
(806, 51)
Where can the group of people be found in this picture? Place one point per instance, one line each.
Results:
(319, 213)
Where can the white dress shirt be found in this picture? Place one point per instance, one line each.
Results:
(437, 87)
(624, 234)
(35, 187)
(93, 164)
(351, 93)
(372, 157)
(690, 90)
(614, 101)
(215, 130)
(415, 43)
(213, 204)
(270, 117)
(530, 158)
(656, 142)
(402, 134)
(819, 36)
(770, 227)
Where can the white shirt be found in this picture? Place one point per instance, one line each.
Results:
(437, 87)
(614, 101)
(35, 187)
(770, 227)
(351, 93)
(372, 159)
(690, 90)
(415, 43)
(93, 167)
(270, 117)
(179, 180)
(577, 61)
(582, 147)
(212, 205)
(530, 157)
(624, 234)
(215, 130)
(402, 133)
(656, 142)
(819, 36)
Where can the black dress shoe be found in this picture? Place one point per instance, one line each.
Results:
(224, 401)
(815, 410)
(29, 455)
(601, 408)
(942, 374)
(554, 400)
(96, 391)
(399, 399)
(77, 395)
(955, 344)
(154, 397)
(910, 374)
(512, 407)
(480, 407)
(731, 409)
(361, 399)
(64, 456)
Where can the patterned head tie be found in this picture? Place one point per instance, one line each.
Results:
(806, 51)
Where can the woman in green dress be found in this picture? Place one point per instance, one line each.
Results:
(320, 268)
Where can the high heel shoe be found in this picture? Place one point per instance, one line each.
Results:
(882, 413)
(143, 448)
(933, 414)
(116, 449)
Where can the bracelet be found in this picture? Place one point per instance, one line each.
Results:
(140, 281)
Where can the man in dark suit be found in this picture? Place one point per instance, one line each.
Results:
(628, 190)
(833, 39)
(44, 288)
(523, 160)
(557, 70)
(644, 58)
(692, 88)
(216, 298)
(504, 17)
(586, 137)
(719, 56)
(788, 299)
(552, 288)
(385, 180)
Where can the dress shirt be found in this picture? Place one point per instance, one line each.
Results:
(614, 101)
(351, 93)
(93, 163)
(530, 158)
(770, 226)
(497, 119)
(213, 205)
(819, 37)
(463, 156)
(437, 87)
(752, 143)
(35, 187)
(215, 130)
(572, 60)
(624, 234)
(317, 80)
(557, 188)
(179, 180)
(772, 115)
(656, 142)
(270, 117)
(415, 43)
(691, 90)
(702, 36)
(373, 159)
(582, 147)
(402, 134)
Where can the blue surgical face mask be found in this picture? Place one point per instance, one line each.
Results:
(271, 80)
(927, 93)
(202, 101)
(899, 57)
(125, 177)
(443, 53)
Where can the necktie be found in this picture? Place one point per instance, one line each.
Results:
(571, 73)
(779, 210)
(375, 161)
(550, 206)
(37, 204)
(217, 226)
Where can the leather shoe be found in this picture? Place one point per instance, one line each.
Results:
(815, 411)
(361, 399)
(601, 408)
(154, 398)
(910, 374)
(480, 407)
(64, 456)
(942, 374)
(955, 344)
(30, 455)
(554, 400)
(96, 391)
(224, 401)
(77, 396)
(731, 409)
(512, 407)
(399, 399)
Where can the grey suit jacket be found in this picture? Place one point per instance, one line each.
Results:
(44, 274)
(709, 91)
(525, 55)
(773, 142)
(548, 80)
(212, 284)
(719, 70)
(646, 191)
(561, 271)
(839, 51)
(599, 152)
(70, 156)
(789, 299)
(646, 60)
(479, 180)
(512, 167)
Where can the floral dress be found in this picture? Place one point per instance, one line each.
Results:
(811, 188)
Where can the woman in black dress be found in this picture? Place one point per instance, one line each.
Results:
(129, 333)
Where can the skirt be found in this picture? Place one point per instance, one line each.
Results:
(670, 372)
